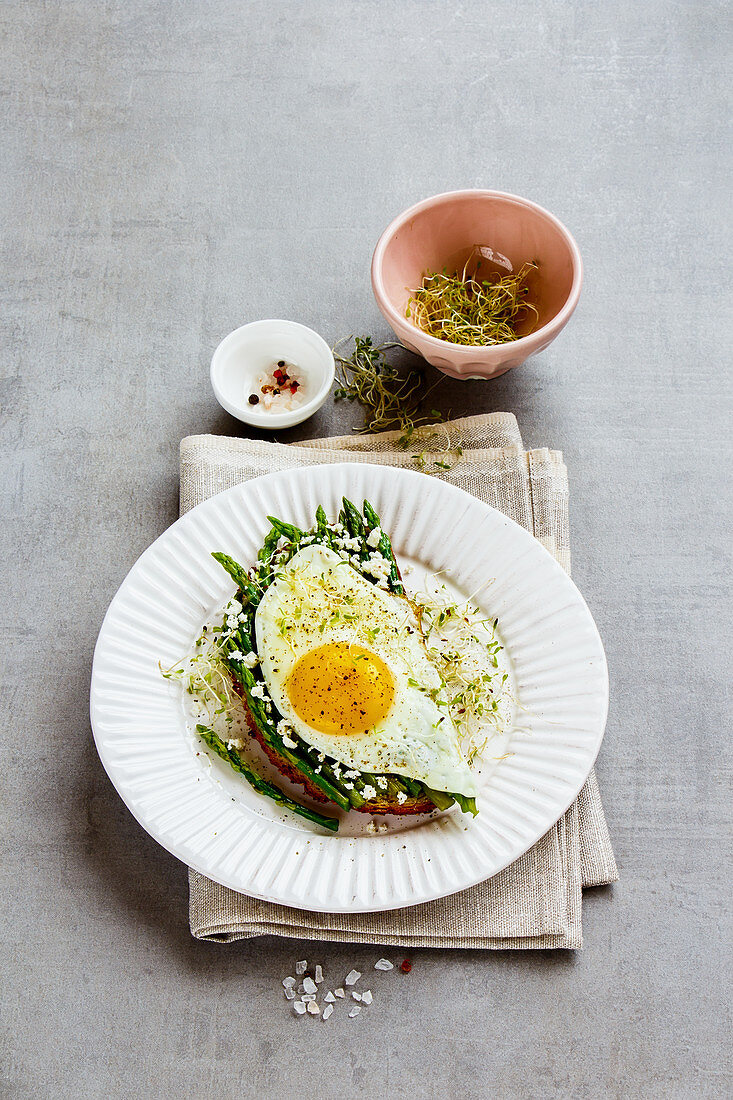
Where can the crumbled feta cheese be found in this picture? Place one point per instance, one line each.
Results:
(257, 691)
(355, 1010)
(366, 997)
(352, 543)
(327, 1012)
(289, 743)
(381, 782)
(309, 985)
(352, 977)
(337, 770)
(374, 536)
(235, 743)
(377, 566)
(348, 786)
(299, 1007)
(250, 660)
(401, 797)
(329, 997)
(314, 1009)
(301, 967)
(372, 827)
(351, 774)
(319, 974)
(369, 792)
(236, 655)
(339, 993)
(383, 964)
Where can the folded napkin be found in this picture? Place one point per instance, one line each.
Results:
(535, 902)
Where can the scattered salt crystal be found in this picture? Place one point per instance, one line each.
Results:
(319, 974)
(339, 993)
(352, 977)
(355, 1010)
(308, 997)
(290, 993)
(301, 988)
(367, 997)
(299, 1007)
(288, 982)
(355, 995)
(301, 967)
(383, 964)
(329, 997)
(314, 1009)
(309, 985)
(327, 1012)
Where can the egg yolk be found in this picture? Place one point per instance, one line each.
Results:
(341, 688)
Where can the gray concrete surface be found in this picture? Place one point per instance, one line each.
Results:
(169, 171)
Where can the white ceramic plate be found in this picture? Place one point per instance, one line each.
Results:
(201, 812)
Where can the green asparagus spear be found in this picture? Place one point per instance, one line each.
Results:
(237, 573)
(385, 549)
(440, 798)
(261, 785)
(289, 530)
(355, 525)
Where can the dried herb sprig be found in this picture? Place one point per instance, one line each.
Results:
(391, 400)
(463, 309)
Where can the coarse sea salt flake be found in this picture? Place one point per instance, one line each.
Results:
(327, 1012)
(339, 993)
(366, 997)
(308, 997)
(355, 1010)
(309, 985)
(301, 988)
(288, 982)
(383, 964)
(314, 1009)
(352, 977)
(355, 995)
(299, 1007)
(319, 974)
(329, 997)
(301, 967)
(290, 993)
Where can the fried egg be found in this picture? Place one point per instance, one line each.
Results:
(345, 664)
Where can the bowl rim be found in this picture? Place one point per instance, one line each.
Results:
(273, 420)
(471, 350)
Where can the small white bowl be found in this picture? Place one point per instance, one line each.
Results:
(242, 356)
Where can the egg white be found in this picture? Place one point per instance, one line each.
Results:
(297, 614)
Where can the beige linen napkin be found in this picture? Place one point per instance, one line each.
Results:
(535, 902)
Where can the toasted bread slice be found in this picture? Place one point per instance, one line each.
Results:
(376, 806)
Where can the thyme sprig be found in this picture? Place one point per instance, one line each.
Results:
(391, 399)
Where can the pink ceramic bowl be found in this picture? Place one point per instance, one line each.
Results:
(440, 232)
